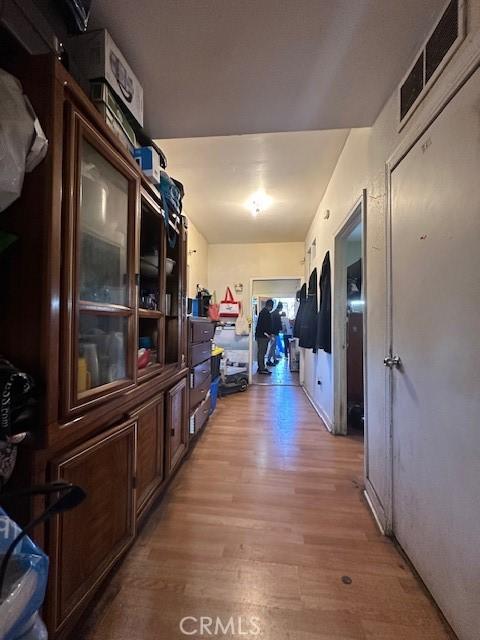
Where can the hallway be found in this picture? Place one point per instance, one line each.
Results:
(264, 520)
(281, 375)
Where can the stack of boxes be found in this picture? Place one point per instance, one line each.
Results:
(118, 95)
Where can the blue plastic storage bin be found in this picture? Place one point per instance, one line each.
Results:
(214, 394)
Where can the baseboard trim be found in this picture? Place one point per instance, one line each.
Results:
(375, 507)
(319, 411)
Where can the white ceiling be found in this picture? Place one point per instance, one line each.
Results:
(221, 173)
(213, 69)
(223, 67)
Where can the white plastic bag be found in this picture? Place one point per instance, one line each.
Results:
(242, 327)
(22, 142)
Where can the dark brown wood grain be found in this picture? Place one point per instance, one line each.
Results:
(88, 540)
(176, 426)
(91, 439)
(150, 451)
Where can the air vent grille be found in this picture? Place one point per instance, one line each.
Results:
(441, 39)
(448, 32)
(411, 88)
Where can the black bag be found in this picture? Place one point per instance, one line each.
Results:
(77, 13)
(17, 400)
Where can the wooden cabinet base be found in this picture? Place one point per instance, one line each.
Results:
(86, 542)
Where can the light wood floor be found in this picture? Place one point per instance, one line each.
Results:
(264, 520)
(281, 375)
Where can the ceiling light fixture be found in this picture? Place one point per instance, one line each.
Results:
(258, 202)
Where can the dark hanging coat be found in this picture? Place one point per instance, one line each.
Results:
(308, 328)
(302, 298)
(324, 324)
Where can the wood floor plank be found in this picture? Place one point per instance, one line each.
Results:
(266, 519)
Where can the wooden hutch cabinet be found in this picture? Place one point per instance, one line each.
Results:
(95, 274)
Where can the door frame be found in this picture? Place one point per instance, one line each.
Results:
(251, 337)
(357, 215)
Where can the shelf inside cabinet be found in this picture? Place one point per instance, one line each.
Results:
(151, 259)
(152, 369)
(150, 313)
(150, 342)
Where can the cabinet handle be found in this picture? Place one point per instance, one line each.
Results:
(172, 432)
(206, 331)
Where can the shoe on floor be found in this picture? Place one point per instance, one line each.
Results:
(264, 372)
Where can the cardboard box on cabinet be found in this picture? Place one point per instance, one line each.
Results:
(98, 57)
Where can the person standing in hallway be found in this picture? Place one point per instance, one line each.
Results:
(286, 332)
(276, 329)
(263, 335)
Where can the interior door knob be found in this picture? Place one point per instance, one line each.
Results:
(392, 361)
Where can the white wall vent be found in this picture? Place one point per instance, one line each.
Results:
(437, 50)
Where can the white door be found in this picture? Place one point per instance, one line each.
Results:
(436, 334)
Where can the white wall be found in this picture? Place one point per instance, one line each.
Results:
(345, 187)
(276, 288)
(197, 260)
(230, 264)
(362, 165)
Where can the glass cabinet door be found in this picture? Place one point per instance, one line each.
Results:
(102, 350)
(103, 230)
(151, 290)
(102, 196)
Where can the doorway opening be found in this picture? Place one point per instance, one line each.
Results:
(349, 322)
(283, 356)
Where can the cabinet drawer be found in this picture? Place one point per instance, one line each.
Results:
(199, 394)
(200, 417)
(201, 331)
(199, 353)
(199, 374)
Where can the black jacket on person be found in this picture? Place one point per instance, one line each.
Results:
(302, 298)
(264, 323)
(308, 327)
(324, 323)
(276, 322)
